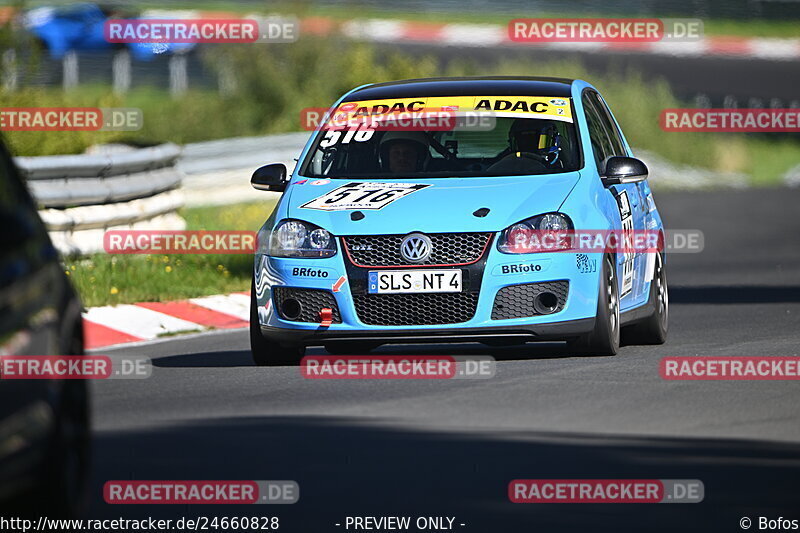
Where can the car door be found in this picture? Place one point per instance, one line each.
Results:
(607, 142)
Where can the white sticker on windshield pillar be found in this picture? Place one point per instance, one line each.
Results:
(363, 195)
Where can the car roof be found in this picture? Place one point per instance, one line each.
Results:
(467, 86)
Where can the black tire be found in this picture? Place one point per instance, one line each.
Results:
(653, 329)
(266, 352)
(604, 339)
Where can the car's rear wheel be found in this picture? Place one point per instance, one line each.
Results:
(266, 352)
(652, 330)
(604, 339)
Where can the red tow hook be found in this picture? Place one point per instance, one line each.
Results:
(325, 317)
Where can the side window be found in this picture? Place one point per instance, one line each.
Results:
(601, 143)
(611, 126)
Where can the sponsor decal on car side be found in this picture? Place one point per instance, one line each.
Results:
(584, 264)
(627, 225)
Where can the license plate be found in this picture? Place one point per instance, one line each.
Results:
(413, 281)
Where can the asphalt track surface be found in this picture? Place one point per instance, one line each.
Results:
(450, 448)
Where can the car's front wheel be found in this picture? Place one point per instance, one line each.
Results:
(266, 352)
(604, 339)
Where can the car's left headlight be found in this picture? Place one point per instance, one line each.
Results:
(296, 238)
(543, 233)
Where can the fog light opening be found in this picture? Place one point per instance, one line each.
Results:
(291, 308)
(545, 303)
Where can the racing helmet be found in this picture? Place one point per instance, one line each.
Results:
(417, 138)
(535, 136)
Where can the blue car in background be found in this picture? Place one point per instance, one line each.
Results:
(411, 235)
(79, 27)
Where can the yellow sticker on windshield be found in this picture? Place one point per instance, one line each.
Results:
(542, 107)
(525, 106)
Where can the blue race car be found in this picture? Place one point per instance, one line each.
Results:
(411, 235)
(80, 26)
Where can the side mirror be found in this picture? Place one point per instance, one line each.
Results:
(270, 178)
(620, 170)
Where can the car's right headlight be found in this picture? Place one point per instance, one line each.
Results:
(296, 238)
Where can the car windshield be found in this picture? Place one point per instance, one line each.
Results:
(446, 137)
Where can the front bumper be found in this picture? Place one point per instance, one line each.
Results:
(337, 277)
(539, 332)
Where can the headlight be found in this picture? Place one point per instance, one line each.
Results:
(550, 232)
(290, 235)
(295, 238)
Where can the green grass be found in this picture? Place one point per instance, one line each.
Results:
(103, 279)
(770, 160)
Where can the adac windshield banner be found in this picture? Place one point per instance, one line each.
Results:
(376, 112)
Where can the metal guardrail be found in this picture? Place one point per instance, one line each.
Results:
(81, 196)
(69, 180)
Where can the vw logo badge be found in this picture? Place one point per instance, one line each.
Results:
(416, 248)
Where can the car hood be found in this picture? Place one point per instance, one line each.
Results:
(445, 205)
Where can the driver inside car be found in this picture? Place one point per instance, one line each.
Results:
(403, 152)
(534, 147)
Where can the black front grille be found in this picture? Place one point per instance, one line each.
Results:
(446, 249)
(415, 309)
(312, 301)
(516, 301)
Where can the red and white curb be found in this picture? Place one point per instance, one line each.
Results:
(122, 324)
